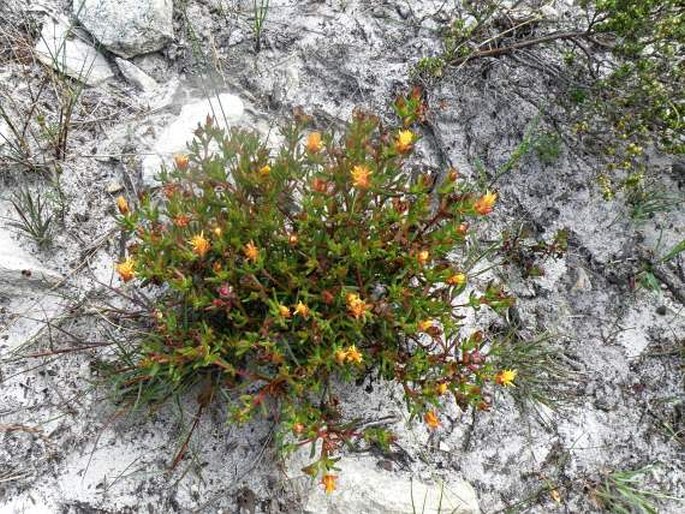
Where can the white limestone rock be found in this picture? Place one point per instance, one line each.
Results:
(28, 290)
(136, 76)
(227, 109)
(19, 271)
(60, 48)
(127, 27)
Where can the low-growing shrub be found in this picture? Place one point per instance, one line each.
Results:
(281, 274)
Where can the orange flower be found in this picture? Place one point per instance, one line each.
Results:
(293, 239)
(404, 140)
(284, 311)
(320, 185)
(122, 205)
(423, 257)
(314, 144)
(462, 229)
(200, 244)
(340, 356)
(302, 310)
(361, 176)
(181, 161)
(126, 269)
(351, 298)
(265, 170)
(431, 419)
(458, 279)
(181, 220)
(170, 190)
(251, 252)
(485, 203)
(353, 355)
(328, 482)
(506, 377)
(357, 307)
(426, 325)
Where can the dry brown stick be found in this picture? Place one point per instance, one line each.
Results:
(522, 44)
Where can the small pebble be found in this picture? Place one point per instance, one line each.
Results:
(114, 187)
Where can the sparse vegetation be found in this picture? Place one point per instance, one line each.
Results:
(260, 10)
(547, 146)
(544, 371)
(622, 492)
(636, 104)
(35, 220)
(39, 125)
(529, 256)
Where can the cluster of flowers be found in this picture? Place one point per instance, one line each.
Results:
(278, 276)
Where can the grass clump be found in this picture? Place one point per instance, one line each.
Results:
(280, 275)
(34, 219)
(621, 492)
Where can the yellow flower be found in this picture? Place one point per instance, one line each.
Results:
(251, 251)
(431, 419)
(122, 205)
(126, 269)
(302, 309)
(361, 177)
(357, 307)
(200, 244)
(314, 142)
(293, 239)
(485, 203)
(284, 311)
(265, 170)
(340, 356)
(217, 231)
(441, 388)
(506, 377)
(404, 140)
(423, 257)
(555, 495)
(353, 355)
(426, 325)
(181, 161)
(458, 279)
(328, 482)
